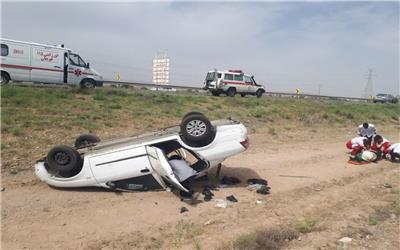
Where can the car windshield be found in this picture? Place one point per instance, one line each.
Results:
(210, 76)
(381, 95)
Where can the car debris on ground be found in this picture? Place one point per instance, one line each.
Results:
(230, 180)
(221, 203)
(183, 210)
(260, 185)
(231, 198)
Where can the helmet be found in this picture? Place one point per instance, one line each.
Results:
(368, 156)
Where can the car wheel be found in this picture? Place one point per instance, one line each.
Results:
(88, 84)
(4, 79)
(193, 113)
(196, 130)
(231, 92)
(259, 93)
(85, 140)
(63, 159)
(243, 95)
(215, 93)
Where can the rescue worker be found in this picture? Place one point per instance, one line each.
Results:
(380, 146)
(367, 130)
(357, 144)
(393, 152)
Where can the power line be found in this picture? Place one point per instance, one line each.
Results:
(369, 91)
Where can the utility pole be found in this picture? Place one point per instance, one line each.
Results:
(319, 89)
(369, 89)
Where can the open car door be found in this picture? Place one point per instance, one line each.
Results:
(160, 165)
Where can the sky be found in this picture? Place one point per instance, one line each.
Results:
(319, 47)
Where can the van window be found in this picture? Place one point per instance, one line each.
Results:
(76, 60)
(248, 79)
(228, 77)
(4, 50)
(210, 76)
(219, 75)
(239, 78)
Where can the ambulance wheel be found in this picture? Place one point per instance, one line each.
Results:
(196, 130)
(4, 78)
(215, 93)
(243, 95)
(88, 84)
(85, 140)
(259, 93)
(63, 159)
(231, 92)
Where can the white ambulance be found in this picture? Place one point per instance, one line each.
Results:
(26, 61)
(232, 82)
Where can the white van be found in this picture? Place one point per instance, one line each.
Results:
(232, 82)
(26, 61)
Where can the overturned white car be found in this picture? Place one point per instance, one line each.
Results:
(140, 162)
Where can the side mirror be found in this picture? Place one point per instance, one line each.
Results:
(88, 65)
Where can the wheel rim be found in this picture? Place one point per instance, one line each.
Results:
(88, 84)
(62, 158)
(3, 80)
(196, 128)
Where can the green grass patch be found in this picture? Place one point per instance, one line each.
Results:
(66, 112)
(306, 226)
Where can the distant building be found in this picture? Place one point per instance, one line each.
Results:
(161, 69)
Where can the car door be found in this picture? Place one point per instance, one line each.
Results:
(160, 165)
(76, 69)
(120, 164)
(249, 84)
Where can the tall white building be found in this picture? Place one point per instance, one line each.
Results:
(161, 69)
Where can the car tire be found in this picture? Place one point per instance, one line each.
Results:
(231, 92)
(259, 93)
(196, 130)
(4, 79)
(85, 140)
(193, 113)
(88, 84)
(215, 93)
(63, 159)
(243, 95)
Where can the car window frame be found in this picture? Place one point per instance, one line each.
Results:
(84, 65)
(6, 48)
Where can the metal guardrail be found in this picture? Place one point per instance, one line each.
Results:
(142, 84)
(268, 93)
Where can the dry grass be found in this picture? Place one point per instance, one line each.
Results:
(268, 239)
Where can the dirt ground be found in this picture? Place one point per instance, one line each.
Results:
(306, 169)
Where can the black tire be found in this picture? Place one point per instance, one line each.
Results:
(196, 130)
(243, 95)
(88, 84)
(193, 113)
(63, 159)
(215, 93)
(85, 140)
(4, 78)
(259, 93)
(231, 92)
